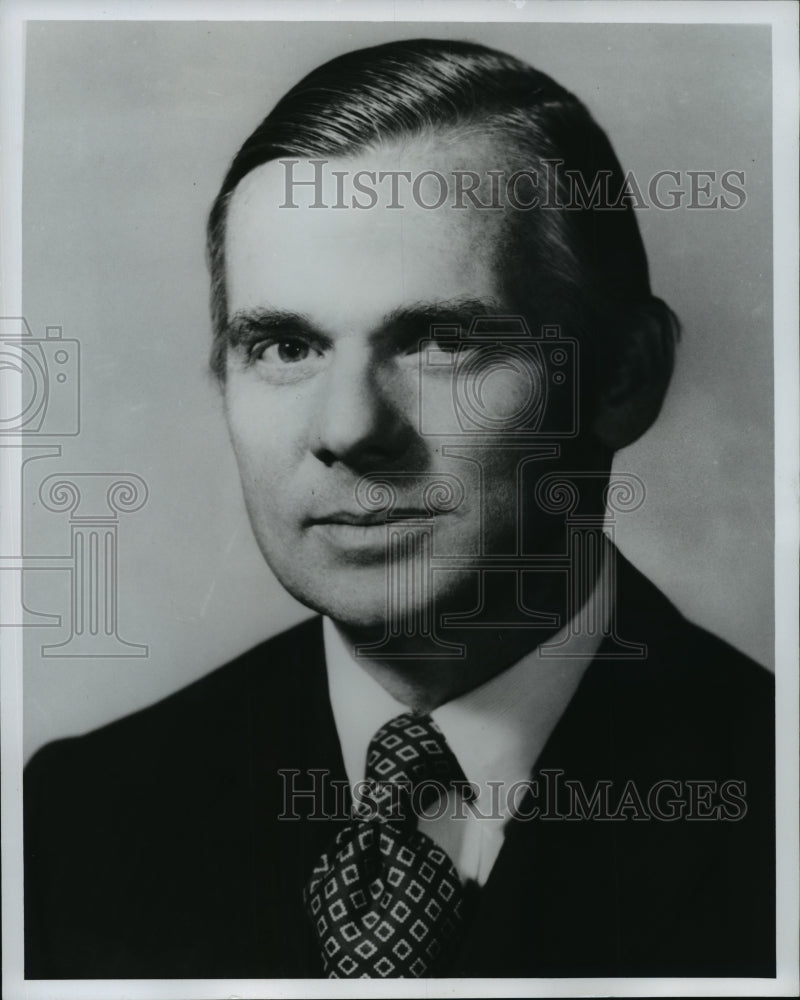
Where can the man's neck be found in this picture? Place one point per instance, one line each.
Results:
(421, 682)
(424, 684)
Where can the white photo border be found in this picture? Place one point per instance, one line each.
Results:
(783, 17)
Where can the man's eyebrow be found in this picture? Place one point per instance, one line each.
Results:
(249, 325)
(450, 312)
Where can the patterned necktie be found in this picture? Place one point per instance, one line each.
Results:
(384, 899)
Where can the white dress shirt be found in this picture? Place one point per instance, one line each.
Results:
(496, 731)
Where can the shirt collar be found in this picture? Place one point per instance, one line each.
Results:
(496, 730)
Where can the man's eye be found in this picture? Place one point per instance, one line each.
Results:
(286, 351)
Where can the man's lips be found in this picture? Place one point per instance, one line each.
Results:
(370, 518)
(362, 536)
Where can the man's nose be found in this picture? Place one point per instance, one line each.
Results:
(360, 421)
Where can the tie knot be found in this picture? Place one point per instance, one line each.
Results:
(411, 749)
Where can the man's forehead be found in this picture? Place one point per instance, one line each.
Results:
(433, 181)
(297, 244)
(447, 152)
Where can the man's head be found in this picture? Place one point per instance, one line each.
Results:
(319, 310)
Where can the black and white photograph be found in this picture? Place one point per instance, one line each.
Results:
(399, 445)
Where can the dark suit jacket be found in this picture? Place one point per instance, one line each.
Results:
(153, 848)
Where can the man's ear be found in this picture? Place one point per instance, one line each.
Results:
(636, 373)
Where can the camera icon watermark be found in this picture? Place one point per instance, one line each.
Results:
(47, 372)
(503, 380)
(491, 388)
(40, 400)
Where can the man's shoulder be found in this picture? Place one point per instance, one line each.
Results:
(146, 839)
(677, 687)
(208, 718)
(645, 615)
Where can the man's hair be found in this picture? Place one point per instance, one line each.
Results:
(584, 267)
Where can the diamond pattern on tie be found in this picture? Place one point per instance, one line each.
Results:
(384, 900)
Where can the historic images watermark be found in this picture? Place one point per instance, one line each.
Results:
(548, 187)
(549, 796)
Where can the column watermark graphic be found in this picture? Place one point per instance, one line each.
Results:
(47, 372)
(472, 423)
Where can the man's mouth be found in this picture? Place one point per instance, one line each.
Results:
(368, 519)
(362, 535)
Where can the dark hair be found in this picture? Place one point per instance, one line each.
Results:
(584, 268)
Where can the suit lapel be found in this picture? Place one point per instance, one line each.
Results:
(556, 897)
(295, 747)
(545, 903)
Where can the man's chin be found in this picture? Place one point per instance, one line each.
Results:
(361, 598)
(358, 618)
(362, 609)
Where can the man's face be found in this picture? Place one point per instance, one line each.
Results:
(327, 309)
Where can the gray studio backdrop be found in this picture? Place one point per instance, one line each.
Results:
(129, 128)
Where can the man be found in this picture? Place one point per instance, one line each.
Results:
(500, 751)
